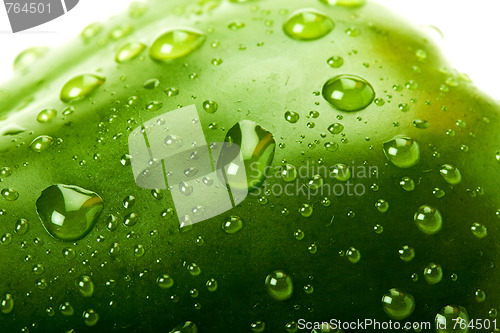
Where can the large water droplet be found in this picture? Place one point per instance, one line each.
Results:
(397, 304)
(257, 149)
(428, 219)
(308, 24)
(129, 51)
(66, 309)
(80, 86)
(279, 285)
(165, 281)
(353, 255)
(175, 44)
(403, 152)
(452, 319)
(348, 93)
(451, 174)
(68, 212)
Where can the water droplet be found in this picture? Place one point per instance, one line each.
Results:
(257, 148)
(151, 84)
(212, 285)
(173, 141)
(165, 281)
(233, 225)
(341, 172)
(154, 106)
(335, 62)
(382, 205)
(433, 273)
(451, 174)
(9, 194)
(7, 304)
(185, 188)
(128, 202)
(288, 173)
(331, 146)
(129, 51)
(480, 295)
(407, 184)
(66, 309)
(80, 86)
(85, 286)
(68, 212)
(421, 54)
(258, 326)
(335, 128)
(379, 101)
(428, 219)
(306, 210)
(194, 269)
(21, 226)
(68, 254)
(139, 250)
(210, 106)
(130, 220)
(5, 172)
(236, 25)
(90, 317)
(46, 115)
(307, 24)
(397, 304)
(299, 234)
(452, 319)
(279, 285)
(406, 253)
(315, 182)
(378, 229)
(171, 92)
(348, 93)
(479, 230)
(42, 143)
(176, 44)
(402, 151)
(29, 57)
(421, 124)
(38, 269)
(353, 255)
(438, 193)
(292, 117)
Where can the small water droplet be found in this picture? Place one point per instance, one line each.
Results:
(232, 225)
(353, 255)
(335, 62)
(397, 304)
(210, 106)
(402, 151)
(407, 184)
(307, 24)
(46, 115)
(428, 219)
(85, 286)
(176, 44)
(165, 281)
(292, 117)
(90, 317)
(129, 51)
(7, 304)
(406, 253)
(479, 230)
(348, 93)
(21, 226)
(433, 273)
(452, 316)
(335, 128)
(80, 86)
(451, 174)
(279, 285)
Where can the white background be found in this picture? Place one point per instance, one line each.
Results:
(471, 30)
